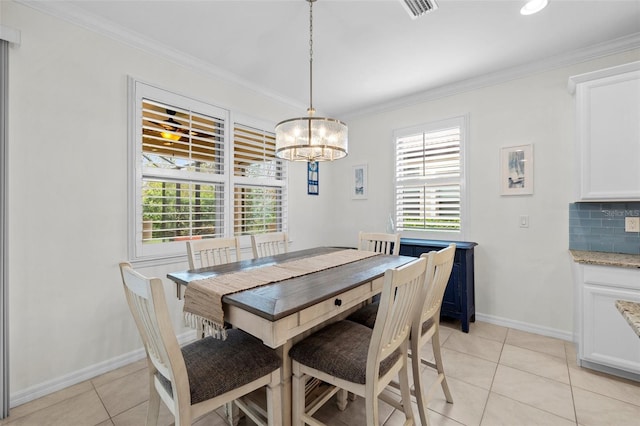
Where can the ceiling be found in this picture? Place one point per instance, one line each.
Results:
(367, 54)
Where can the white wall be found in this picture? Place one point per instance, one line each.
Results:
(68, 194)
(522, 275)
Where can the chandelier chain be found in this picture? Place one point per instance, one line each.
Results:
(311, 110)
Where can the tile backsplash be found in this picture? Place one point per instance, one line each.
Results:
(600, 227)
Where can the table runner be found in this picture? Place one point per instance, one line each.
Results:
(203, 298)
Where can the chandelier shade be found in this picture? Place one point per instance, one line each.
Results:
(311, 138)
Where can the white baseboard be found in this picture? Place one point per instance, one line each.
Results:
(523, 326)
(45, 388)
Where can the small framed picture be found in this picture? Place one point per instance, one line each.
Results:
(516, 170)
(312, 178)
(359, 185)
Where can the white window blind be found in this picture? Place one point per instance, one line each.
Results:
(259, 190)
(428, 176)
(183, 173)
(195, 175)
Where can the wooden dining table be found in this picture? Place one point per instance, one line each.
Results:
(284, 312)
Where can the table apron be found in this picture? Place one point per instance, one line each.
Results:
(276, 333)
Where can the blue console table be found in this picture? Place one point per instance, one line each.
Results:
(459, 297)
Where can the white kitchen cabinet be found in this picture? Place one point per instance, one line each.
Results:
(604, 336)
(608, 133)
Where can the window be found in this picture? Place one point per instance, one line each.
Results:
(184, 188)
(429, 178)
(259, 183)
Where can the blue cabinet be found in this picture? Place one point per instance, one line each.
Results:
(459, 297)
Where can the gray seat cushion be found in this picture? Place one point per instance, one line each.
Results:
(217, 366)
(365, 315)
(340, 349)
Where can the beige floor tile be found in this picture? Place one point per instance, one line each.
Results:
(536, 391)
(118, 373)
(572, 354)
(488, 331)
(138, 415)
(106, 423)
(536, 342)
(82, 409)
(214, 419)
(604, 384)
(468, 403)
(539, 363)
(48, 400)
(593, 409)
(503, 411)
(469, 369)
(124, 393)
(435, 419)
(474, 345)
(445, 332)
(352, 415)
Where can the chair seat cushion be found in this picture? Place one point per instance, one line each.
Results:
(341, 350)
(218, 366)
(365, 315)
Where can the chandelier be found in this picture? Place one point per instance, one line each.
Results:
(311, 138)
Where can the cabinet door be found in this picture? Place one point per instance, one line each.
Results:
(452, 299)
(608, 113)
(607, 337)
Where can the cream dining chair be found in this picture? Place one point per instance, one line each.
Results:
(379, 242)
(425, 327)
(204, 375)
(360, 360)
(269, 244)
(212, 251)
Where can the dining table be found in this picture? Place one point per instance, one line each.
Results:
(284, 312)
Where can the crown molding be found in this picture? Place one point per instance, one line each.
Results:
(73, 14)
(77, 16)
(619, 45)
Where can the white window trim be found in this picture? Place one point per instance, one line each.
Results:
(138, 89)
(463, 122)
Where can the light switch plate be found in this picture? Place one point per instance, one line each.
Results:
(632, 224)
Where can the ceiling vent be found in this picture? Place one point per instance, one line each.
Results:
(417, 8)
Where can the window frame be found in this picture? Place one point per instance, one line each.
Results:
(434, 126)
(152, 254)
(255, 123)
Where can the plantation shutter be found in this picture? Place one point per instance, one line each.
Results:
(183, 180)
(428, 180)
(259, 196)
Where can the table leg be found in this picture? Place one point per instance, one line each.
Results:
(283, 352)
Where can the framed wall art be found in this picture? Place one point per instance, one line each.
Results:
(313, 170)
(359, 184)
(516, 170)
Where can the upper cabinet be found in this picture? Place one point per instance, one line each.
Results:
(608, 132)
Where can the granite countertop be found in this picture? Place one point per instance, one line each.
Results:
(631, 312)
(606, 259)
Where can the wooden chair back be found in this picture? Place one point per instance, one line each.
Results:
(148, 306)
(212, 251)
(379, 242)
(400, 290)
(269, 244)
(439, 266)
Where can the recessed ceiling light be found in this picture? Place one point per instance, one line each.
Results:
(533, 6)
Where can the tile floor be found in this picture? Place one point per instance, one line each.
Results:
(498, 376)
